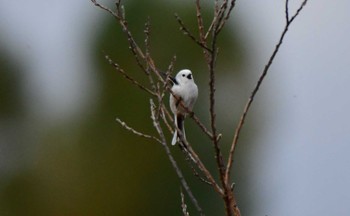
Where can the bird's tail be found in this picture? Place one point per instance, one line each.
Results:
(179, 123)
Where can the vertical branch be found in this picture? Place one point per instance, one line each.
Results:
(228, 196)
(200, 21)
(212, 112)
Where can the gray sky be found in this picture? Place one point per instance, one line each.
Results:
(302, 160)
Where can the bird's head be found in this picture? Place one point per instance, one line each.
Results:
(184, 76)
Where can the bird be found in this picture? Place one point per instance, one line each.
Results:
(186, 91)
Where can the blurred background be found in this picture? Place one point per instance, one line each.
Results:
(62, 153)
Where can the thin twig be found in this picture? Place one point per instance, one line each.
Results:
(298, 11)
(187, 32)
(104, 8)
(200, 124)
(132, 130)
(195, 173)
(167, 75)
(287, 11)
(128, 77)
(133, 46)
(200, 21)
(232, 5)
(254, 92)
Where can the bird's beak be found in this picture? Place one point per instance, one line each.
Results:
(189, 76)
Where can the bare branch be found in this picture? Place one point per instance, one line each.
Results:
(218, 154)
(132, 130)
(255, 90)
(200, 22)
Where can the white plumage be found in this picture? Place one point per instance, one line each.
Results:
(187, 92)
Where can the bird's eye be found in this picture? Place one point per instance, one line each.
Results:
(183, 75)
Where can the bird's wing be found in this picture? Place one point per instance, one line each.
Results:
(172, 80)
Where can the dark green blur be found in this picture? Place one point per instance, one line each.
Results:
(92, 166)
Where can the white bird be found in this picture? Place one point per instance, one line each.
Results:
(186, 92)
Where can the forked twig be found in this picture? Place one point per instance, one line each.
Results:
(227, 16)
(124, 125)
